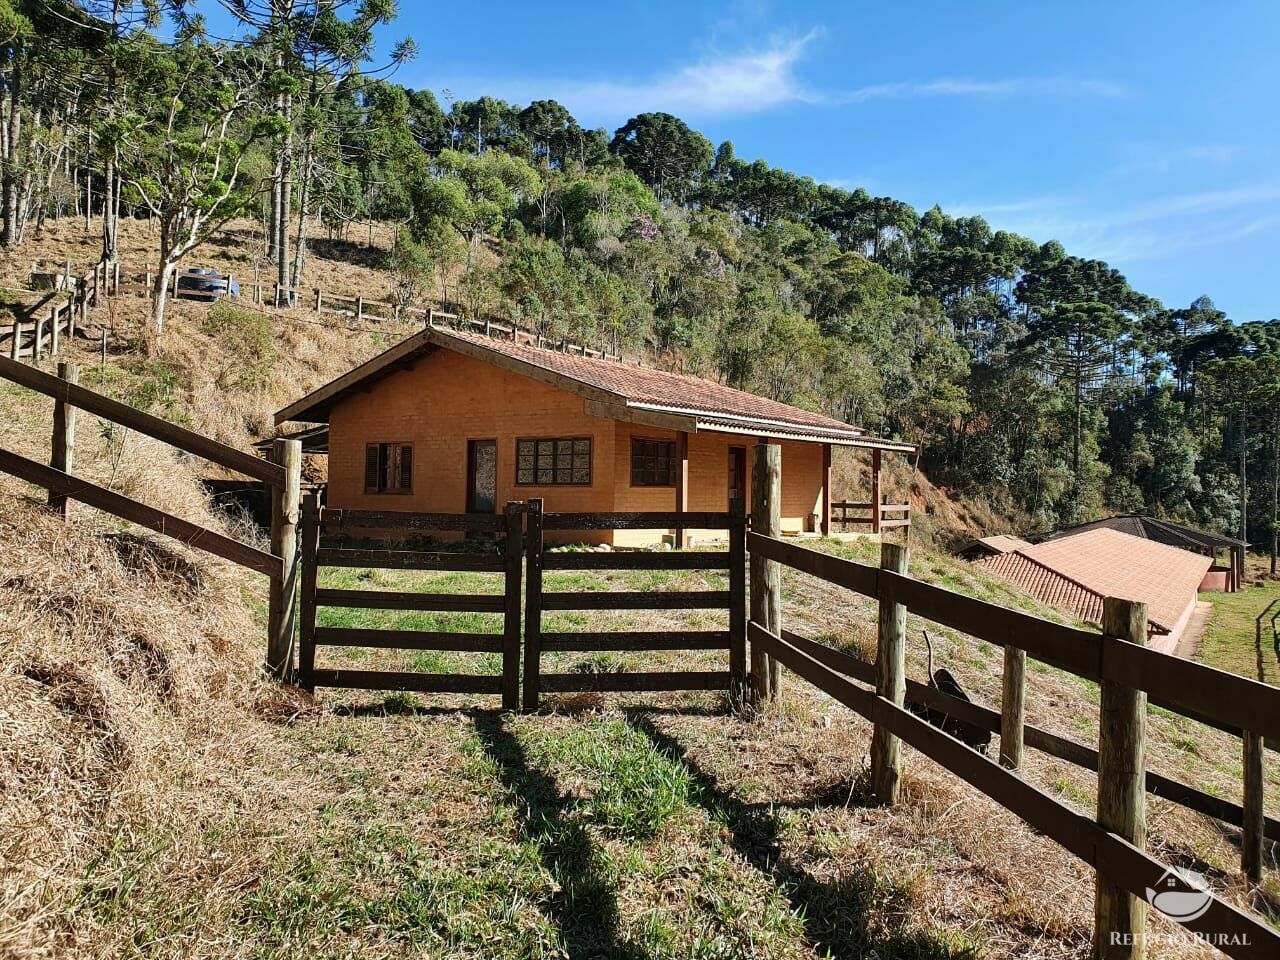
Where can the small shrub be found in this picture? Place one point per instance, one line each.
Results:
(247, 343)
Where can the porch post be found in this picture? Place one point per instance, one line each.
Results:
(875, 491)
(682, 485)
(826, 489)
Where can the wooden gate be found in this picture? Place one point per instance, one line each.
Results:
(537, 600)
(326, 538)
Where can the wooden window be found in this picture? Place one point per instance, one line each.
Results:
(388, 468)
(555, 462)
(653, 463)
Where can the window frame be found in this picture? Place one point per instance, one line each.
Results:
(397, 489)
(555, 464)
(672, 461)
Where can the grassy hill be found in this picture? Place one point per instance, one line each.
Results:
(159, 799)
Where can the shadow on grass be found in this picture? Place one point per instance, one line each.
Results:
(586, 906)
(838, 914)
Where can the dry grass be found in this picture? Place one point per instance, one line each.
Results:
(347, 267)
(158, 799)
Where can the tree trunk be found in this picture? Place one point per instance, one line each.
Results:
(110, 210)
(286, 195)
(1244, 475)
(300, 247)
(160, 295)
(12, 138)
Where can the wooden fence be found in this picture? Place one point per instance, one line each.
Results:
(537, 600)
(43, 335)
(1129, 675)
(360, 309)
(282, 474)
(864, 513)
(326, 538)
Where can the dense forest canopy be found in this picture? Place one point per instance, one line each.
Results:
(1028, 373)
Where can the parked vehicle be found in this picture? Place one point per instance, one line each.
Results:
(204, 283)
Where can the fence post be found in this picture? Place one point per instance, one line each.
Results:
(737, 603)
(37, 348)
(1254, 819)
(359, 309)
(766, 575)
(71, 323)
(533, 604)
(115, 279)
(53, 331)
(64, 437)
(1119, 916)
(16, 343)
(891, 677)
(511, 616)
(1013, 697)
(283, 591)
(876, 514)
(104, 346)
(66, 275)
(307, 615)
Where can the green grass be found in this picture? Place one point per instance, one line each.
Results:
(1230, 642)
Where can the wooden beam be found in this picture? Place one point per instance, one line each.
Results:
(282, 595)
(766, 574)
(121, 506)
(875, 491)
(826, 490)
(121, 413)
(1119, 916)
(64, 437)
(891, 681)
(682, 486)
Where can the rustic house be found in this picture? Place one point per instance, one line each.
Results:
(1075, 573)
(451, 421)
(1226, 553)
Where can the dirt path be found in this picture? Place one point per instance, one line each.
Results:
(1189, 643)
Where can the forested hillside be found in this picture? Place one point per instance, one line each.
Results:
(1026, 371)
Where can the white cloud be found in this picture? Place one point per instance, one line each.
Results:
(748, 81)
(739, 83)
(1024, 86)
(1150, 230)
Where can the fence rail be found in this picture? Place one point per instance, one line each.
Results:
(540, 558)
(888, 516)
(346, 525)
(1127, 672)
(282, 474)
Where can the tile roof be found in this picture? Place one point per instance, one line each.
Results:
(645, 392)
(1107, 563)
(659, 388)
(1000, 543)
(1162, 531)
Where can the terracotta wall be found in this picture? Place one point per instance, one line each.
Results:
(449, 398)
(802, 480)
(440, 404)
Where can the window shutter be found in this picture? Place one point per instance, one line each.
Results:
(371, 468)
(406, 467)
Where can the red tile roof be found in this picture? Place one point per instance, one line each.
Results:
(659, 388)
(645, 392)
(1106, 563)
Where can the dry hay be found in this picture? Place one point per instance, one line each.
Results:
(113, 650)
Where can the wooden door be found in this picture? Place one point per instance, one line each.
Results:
(482, 476)
(737, 474)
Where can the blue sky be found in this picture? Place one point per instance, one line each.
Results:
(1142, 133)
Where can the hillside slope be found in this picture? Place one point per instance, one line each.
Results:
(157, 798)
